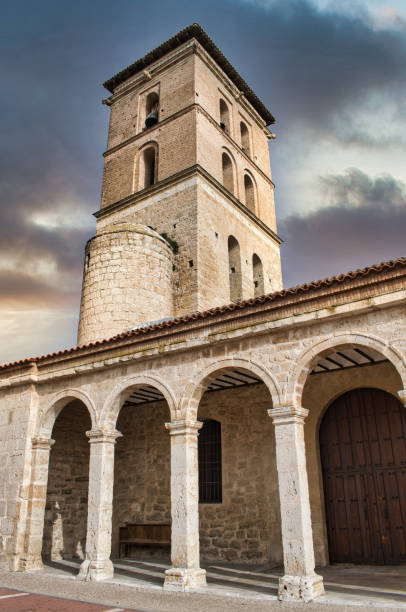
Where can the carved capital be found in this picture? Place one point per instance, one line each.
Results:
(288, 414)
(183, 428)
(100, 436)
(42, 443)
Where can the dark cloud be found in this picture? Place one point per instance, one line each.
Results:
(364, 223)
(22, 291)
(312, 68)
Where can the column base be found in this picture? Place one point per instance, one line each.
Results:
(182, 579)
(93, 571)
(300, 588)
(30, 564)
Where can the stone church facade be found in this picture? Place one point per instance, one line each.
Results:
(303, 390)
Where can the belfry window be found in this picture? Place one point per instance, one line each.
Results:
(224, 116)
(245, 138)
(209, 453)
(151, 109)
(148, 167)
(258, 275)
(234, 266)
(249, 193)
(227, 168)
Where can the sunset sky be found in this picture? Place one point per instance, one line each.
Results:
(332, 73)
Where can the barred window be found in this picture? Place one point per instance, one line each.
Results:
(209, 452)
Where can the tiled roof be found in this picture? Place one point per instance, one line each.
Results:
(218, 310)
(192, 31)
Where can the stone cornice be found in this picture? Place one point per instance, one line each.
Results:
(181, 176)
(199, 108)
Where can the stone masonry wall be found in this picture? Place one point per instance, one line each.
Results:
(67, 492)
(127, 281)
(246, 526)
(142, 468)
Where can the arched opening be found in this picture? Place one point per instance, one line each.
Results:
(363, 456)
(141, 524)
(224, 116)
(147, 167)
(151, 109)
(245, 138)
(234, 267)
(239, 512)
(249, 193)
(228, 173)
(333, 372)
(65, 523)
(258, 274)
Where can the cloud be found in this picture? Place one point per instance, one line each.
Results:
(363, 223)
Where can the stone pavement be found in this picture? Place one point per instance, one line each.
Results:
(137, 585)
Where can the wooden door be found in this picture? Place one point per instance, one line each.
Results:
(363, 455)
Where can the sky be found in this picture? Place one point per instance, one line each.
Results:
(332, 73)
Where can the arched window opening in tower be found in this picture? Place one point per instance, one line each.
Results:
(209, 453)
(151, 109)
(148, 167)
(227, 167)
(258, 275)
(234, 264)
(224, 116)
(249, 193)
(245, 138)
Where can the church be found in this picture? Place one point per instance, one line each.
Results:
(206, 413)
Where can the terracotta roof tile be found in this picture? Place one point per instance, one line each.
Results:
(194, 316)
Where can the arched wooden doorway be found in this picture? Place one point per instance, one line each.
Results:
(363, 455)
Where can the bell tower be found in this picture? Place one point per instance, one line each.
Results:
(187, 217)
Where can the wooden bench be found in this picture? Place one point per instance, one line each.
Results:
(144, 534)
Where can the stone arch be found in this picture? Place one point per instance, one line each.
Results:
(115, 400)
(146, 166)
(48, 416)
(228, 168)
(302, 366)
(250, 191)
(194, 391)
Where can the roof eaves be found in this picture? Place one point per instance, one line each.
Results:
(192, 31)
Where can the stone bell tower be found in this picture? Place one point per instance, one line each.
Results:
(187, 217)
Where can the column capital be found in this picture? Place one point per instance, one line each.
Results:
(288, 414)
(43, 443)
(402, 396)
(181, 428)
(99, 436)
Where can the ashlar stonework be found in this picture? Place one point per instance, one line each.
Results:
(106, 434)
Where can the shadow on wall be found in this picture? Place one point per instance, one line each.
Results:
(67, 492)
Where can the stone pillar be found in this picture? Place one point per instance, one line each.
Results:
(300, 582)
(32, 558)
(185, 573)
(97, 565)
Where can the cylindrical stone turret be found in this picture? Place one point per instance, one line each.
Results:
(127, 281)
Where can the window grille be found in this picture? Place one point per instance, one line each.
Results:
(209, 453)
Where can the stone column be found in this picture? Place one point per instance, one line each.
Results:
(402, 396)
(185, 573)
(32, 558)
(97, 565)
(300, 582)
